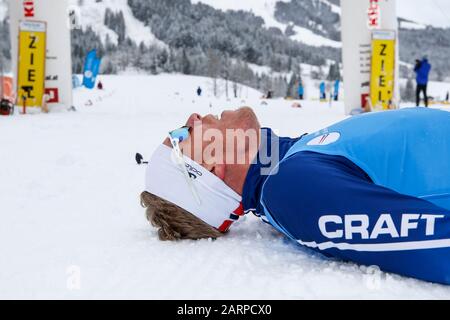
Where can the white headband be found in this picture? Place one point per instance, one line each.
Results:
(220, 205)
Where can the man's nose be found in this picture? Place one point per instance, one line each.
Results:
(193, 118)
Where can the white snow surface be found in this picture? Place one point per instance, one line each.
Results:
(70, 213)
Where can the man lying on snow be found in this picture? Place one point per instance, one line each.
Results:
(373, 189)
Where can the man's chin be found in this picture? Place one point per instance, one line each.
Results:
(251, 119)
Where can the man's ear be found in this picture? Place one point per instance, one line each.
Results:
(219, 171)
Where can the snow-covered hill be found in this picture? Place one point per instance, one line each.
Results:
(92, 14)
(433, 13)
(72, 227)
(436, 13)
(266, 10)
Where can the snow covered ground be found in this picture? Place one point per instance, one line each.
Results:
(71, 225)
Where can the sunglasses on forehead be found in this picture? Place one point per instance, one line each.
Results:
(176, 137)
(181, 134)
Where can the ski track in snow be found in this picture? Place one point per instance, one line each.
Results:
(69, 197)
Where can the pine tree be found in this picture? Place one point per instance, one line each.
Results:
(185, 63)
(290, 92)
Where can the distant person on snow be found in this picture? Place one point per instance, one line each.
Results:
(336, 90)
(100, 85)
(347, 191)
(322, 88)
(301, 91)
(199, 91)
(422, 70)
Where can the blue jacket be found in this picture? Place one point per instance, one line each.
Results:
(336, 88)
(365, 196)
(422, 72)
(322, 87)
(301, 90)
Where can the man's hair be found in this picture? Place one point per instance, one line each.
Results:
(173, 222)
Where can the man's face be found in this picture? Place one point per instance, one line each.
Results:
(219, 139)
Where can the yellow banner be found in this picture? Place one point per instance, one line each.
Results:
(31, 68)
(383, 69)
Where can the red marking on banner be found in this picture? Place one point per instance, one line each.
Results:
(28, 8)
(53, 95)
(374, 14)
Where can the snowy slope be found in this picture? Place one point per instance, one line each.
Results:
(406, 24)
(436, 13)
(308, 37)
(70, 212)
(263, 8)
(431, 12)
(92, 13)
(266, 10)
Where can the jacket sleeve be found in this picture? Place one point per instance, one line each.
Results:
(330, 205)
(417, 67)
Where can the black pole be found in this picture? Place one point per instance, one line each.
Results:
(139, 159)
(1, 75)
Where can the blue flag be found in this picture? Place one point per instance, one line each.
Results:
(91, 69)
